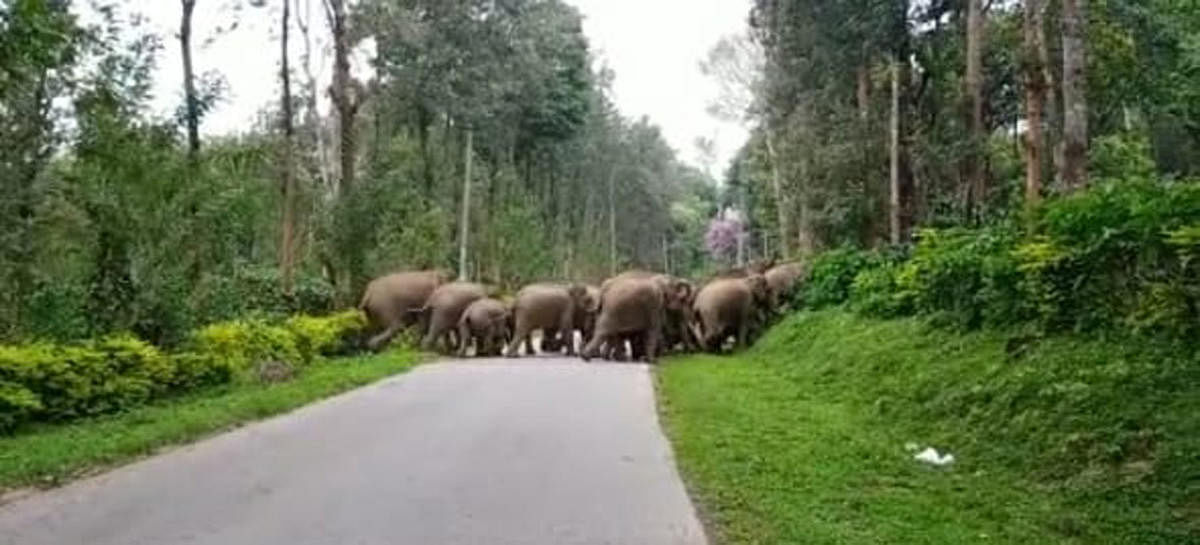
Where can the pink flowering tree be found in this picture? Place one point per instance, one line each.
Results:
(722, 238)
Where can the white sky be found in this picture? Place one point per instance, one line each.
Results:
(653, 46)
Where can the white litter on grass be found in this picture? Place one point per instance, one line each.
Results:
(931, 456)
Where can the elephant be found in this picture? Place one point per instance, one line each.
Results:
(730, 306)
(629, 307)
(486, 321)
(443, 310)
(584, 322)
(551, 308)
(388, 302)
(783, 279)
(677, 308)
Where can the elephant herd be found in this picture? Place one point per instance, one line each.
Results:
(636, 314)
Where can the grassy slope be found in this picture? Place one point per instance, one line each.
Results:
(801, 439)
(48, 455)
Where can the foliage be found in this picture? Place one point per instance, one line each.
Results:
(332, 335)
(832, 276)
(48, 455)
(816, 416)
(47, 382)
(1062, 273)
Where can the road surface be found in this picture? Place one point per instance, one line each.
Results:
(483, 452)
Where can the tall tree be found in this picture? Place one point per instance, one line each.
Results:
(977, 184)
(287, 244)
(191, 101)
(1074, 89)
(346, 98)
(1035, 97)
(465, 221)
(312, 113)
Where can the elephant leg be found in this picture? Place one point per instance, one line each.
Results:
(521, 333)
(379, 341)
(592, 348)
(653, 337)
(464, 333)
(566, 330)
(431, 337)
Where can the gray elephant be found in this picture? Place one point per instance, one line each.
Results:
(730, 306)
(443, 310)
(388, 302)
(486, 322)
(629, 308)
(552, 309)
(783, 280)
(677, 309)
(584, 322)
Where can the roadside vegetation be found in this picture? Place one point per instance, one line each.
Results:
(1055, 359)
(802, 439)
(42, 455)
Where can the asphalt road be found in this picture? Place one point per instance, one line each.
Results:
(496, 452)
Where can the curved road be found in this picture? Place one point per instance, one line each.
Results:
(486, 452)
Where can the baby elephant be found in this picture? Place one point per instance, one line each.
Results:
(486, 322)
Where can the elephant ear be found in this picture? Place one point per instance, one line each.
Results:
(683, 291)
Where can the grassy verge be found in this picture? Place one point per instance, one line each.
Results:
(802, 439)
(48, 455)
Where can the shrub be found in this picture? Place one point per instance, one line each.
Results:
(244, 343)
(968, 277)
(48, 382)
(1123, 254)
(875, 292)
(832, 276)
(328, 335)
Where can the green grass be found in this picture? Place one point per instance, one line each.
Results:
(802, 438)
(50, 454)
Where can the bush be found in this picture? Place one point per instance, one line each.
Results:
(967, 277)
(875, 292)
(245, 343)
(327, 336)
(1122, 256)
(48, 382)
(256, 291)
(832, 277)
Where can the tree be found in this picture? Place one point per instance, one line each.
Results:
(977, 184)
(1035, 97)
(191, 101)
(287, 244)
(345, 96)
(1074, 90)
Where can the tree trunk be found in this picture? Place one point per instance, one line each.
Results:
(1074, 84)
(192, 105)
(612, 221)
(895, 214)
(1035, 99)
(465, 222)
(312, 114)
(287, 245)
(341, 92)
(977, 184)
(863, 90)
(777, 191)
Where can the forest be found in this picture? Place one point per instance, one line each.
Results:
(482, 140)
(998, 163)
